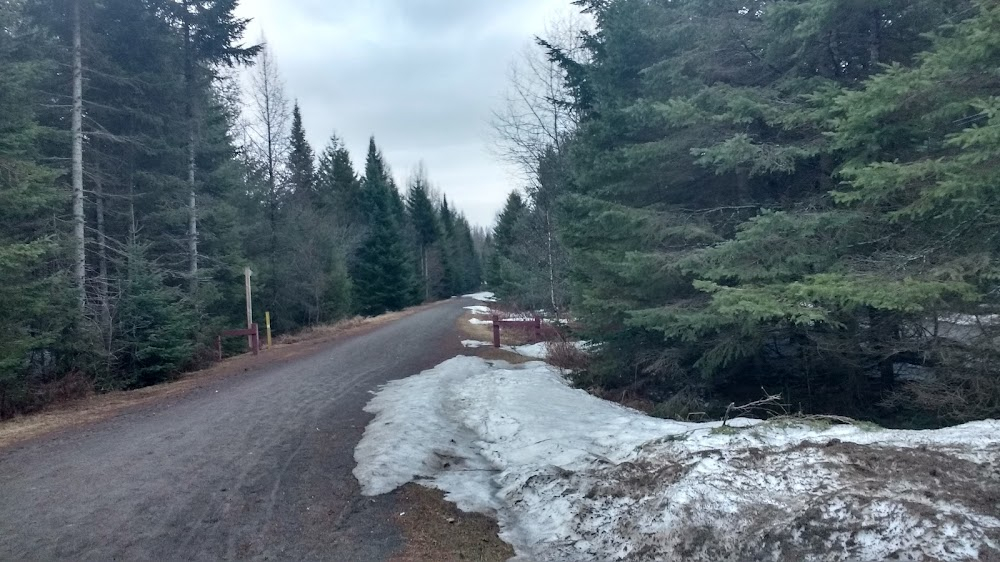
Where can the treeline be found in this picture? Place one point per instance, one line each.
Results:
(795, 197)
(138, 180)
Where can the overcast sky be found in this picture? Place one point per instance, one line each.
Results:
(420, 75)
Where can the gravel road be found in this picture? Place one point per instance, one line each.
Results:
(255, 466)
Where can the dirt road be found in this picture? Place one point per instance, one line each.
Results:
(256, 466)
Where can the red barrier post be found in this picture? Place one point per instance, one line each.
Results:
(496, 331)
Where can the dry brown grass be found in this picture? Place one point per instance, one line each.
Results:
(91, 408)
(484, 333)
(435, 530)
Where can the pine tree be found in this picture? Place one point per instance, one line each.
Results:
(425, 223)
(707, 253)
(155, 321)
(35, 293)
(382, 279)
(301, 161)
(506, 234)
(337, 185)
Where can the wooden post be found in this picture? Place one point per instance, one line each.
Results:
(255, 337)
(538, 328)
(218, 346)
(267, 327)
(496, 331)
(247, 273)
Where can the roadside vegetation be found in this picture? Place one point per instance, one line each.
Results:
(148, 155)
(749, 199)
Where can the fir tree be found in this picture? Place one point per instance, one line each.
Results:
(382, 279)
(337, 185)
(35, 293)
(425, 223)
(301, 160)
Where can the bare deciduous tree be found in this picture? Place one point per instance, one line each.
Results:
(535, 113)
(533, 122)
(267, 120)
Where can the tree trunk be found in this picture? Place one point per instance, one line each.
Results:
(192, 140)
(79, 235)
(133, 227)
(102, 261)
(551, 260)
(427, 277)
(875, 42)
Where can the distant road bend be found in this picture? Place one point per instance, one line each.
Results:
(255, 466)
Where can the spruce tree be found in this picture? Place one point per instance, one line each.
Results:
(301, 161)
(337, 185)
(35, 290)
(382, 278)
(707, 253)
(425, 223)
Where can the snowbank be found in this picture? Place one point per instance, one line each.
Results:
(483, 297)
(479, 309)
(571, 477)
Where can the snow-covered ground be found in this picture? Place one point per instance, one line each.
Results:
(535, 350)
(479, 309)
(482, 297)
(572, 477)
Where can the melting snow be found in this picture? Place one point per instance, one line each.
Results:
(483, 297)
(572, 477)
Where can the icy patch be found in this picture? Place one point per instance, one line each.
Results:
(541, 350)
(972, 319)
(483, 297)
(535, 350)
(572, 477)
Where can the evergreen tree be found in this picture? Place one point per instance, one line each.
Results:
(155, 322)
(425, 223)
(382, 279)
(301, 160)
(707, 253)
(502, 270)
(337, 185)
(35, 293)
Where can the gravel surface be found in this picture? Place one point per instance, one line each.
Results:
(256, 466)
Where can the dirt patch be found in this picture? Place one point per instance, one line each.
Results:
(94, 408)
(437, 530)
(484, 333)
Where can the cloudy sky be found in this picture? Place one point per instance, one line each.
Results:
(420, 75)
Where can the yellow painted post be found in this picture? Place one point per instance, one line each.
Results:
(267, 325)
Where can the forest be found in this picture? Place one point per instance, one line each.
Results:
(747, 198)
(148, 155)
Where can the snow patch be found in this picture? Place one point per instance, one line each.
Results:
(572, 477)
(483, 297)
(479, 309)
